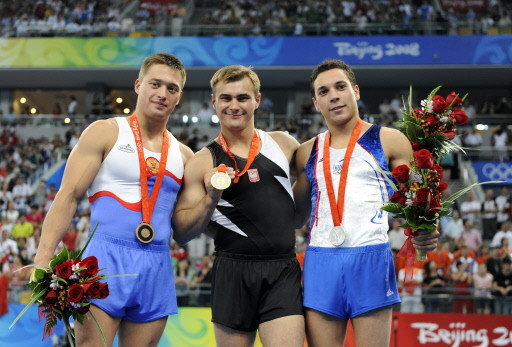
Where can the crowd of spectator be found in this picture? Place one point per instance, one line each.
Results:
(248, 17)
(82, 18)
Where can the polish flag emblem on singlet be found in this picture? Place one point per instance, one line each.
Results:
(253, 175)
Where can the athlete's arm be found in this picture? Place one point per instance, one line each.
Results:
(302, 186)
(398, 150)
(81, 168)
(197, 199)
(186, 152)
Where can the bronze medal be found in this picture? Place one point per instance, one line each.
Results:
(337, 236)
(145, 233)
(220, 180)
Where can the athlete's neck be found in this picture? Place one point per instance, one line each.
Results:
(238, 140)
(151, 129)
(340, 134)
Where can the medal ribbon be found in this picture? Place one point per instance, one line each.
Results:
(337, 208)
(148, 205)
(255, 144)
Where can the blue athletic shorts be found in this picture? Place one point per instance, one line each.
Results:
(347, 282)
(151, 294)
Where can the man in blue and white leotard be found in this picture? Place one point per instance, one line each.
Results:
(352, 278)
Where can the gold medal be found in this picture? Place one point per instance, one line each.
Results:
(145, 232)
(337, 236)
(153, 165)
(220, 180)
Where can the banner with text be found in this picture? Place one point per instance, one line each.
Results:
(454, 330)
(257, 51)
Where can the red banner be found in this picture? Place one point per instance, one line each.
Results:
(459, 330)
(153, 6)
(464, 5)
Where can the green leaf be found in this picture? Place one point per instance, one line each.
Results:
(59, 258)
(414, 132)
(433, 92)
(392, 207)
(39, 275)
(87, 243)
(461, 192)
(27, 307)
(99, 329)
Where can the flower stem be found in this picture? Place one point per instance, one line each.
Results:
(421, 254)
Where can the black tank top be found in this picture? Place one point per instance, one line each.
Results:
(259, 206)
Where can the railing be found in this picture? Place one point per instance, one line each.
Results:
(283, 29)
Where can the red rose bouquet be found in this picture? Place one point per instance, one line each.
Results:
(62, 290)
(418, 195)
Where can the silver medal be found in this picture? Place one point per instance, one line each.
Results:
(337, 236)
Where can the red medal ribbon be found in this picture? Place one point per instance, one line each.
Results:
(148, 205)
(337, 208)
(255, 144)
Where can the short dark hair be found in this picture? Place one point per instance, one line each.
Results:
(166, 59)
(331, 64)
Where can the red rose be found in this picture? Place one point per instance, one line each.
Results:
(451, 97)
(398, 198)
(424, 159)
(92, 289)
(415, 146)
(423, 195)
(449, 134)
(442, 186)
(51, 298)
(82, 309)
(433, 208)
(91, 266)
(439, 104)
(461, 117)
(401, 173)
(75, 293)
(432, 120)
(104, 292)
(407, 231)
(439, 170)
(64, 269)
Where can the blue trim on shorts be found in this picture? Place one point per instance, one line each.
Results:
(348, 281)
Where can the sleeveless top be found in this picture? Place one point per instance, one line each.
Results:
(115, 193)
(366, 191)
(255, 215)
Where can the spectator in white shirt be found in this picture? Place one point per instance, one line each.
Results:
(396, 235)
(7, 245)
(470, 209)
(503, 204)
(504, 232)
(21, 194)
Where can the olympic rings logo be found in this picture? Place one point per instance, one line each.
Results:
(497, 171)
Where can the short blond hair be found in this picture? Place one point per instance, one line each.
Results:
(166, 59)
(233, 73)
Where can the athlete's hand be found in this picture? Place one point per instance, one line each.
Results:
(210, 189)
(425, 239)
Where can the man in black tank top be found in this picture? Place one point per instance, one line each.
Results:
(256, 276)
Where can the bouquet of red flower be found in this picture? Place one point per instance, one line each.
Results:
(417, 198)
(62, 290)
